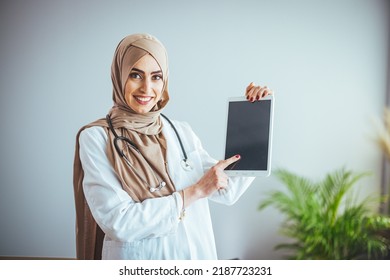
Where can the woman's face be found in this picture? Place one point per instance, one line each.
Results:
(144, 85)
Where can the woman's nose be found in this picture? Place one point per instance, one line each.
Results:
(146, 86)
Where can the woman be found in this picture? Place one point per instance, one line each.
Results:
(144, 205)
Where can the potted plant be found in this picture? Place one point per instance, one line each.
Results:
(325, 220)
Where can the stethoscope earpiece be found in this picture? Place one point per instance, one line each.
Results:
(160, 186)
(186, 164)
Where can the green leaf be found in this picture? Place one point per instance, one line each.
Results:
(325, 220)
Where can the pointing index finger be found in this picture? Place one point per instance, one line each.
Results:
(225, 163)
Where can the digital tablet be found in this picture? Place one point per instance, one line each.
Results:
(249, 134)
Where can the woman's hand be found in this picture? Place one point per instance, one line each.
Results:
(213, 180)
(254, 92)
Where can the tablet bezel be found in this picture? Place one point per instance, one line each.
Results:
(252, 173)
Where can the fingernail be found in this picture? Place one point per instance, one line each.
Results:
(258, 97)
(238, 156)
(251, 99)
(247, 98)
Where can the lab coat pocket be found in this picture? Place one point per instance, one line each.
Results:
(116, 250)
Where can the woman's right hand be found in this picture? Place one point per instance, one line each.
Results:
(213, 180)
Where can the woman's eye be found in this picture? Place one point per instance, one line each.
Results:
(157, 77)
(135, 75)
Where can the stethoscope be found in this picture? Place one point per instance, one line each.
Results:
(185, 162)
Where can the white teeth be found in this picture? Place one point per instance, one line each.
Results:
(143, 99)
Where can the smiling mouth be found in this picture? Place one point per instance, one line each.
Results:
(143, 100)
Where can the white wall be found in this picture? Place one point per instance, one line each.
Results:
(326, 61)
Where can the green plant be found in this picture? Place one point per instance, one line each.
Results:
(325, 220)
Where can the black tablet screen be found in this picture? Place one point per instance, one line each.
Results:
(248, 134)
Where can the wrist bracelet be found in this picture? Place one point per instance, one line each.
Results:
(183, 210)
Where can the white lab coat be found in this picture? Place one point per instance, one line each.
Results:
(152, 229)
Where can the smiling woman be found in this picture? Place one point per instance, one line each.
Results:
(144, 86)
(131, 198)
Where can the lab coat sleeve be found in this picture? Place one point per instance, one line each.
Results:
(237, 185)
(116, 213)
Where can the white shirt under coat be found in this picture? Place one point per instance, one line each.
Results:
(152, 229)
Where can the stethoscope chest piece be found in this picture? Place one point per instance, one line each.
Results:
(186, 164)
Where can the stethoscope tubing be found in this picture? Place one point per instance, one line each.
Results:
(117, 138)
(178, 137)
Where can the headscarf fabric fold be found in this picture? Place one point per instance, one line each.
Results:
(145, 130)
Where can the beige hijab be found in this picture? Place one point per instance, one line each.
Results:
(145, 130)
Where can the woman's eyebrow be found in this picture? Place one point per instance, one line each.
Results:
(138, 70)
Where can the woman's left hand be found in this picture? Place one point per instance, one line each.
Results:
(255, 92)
